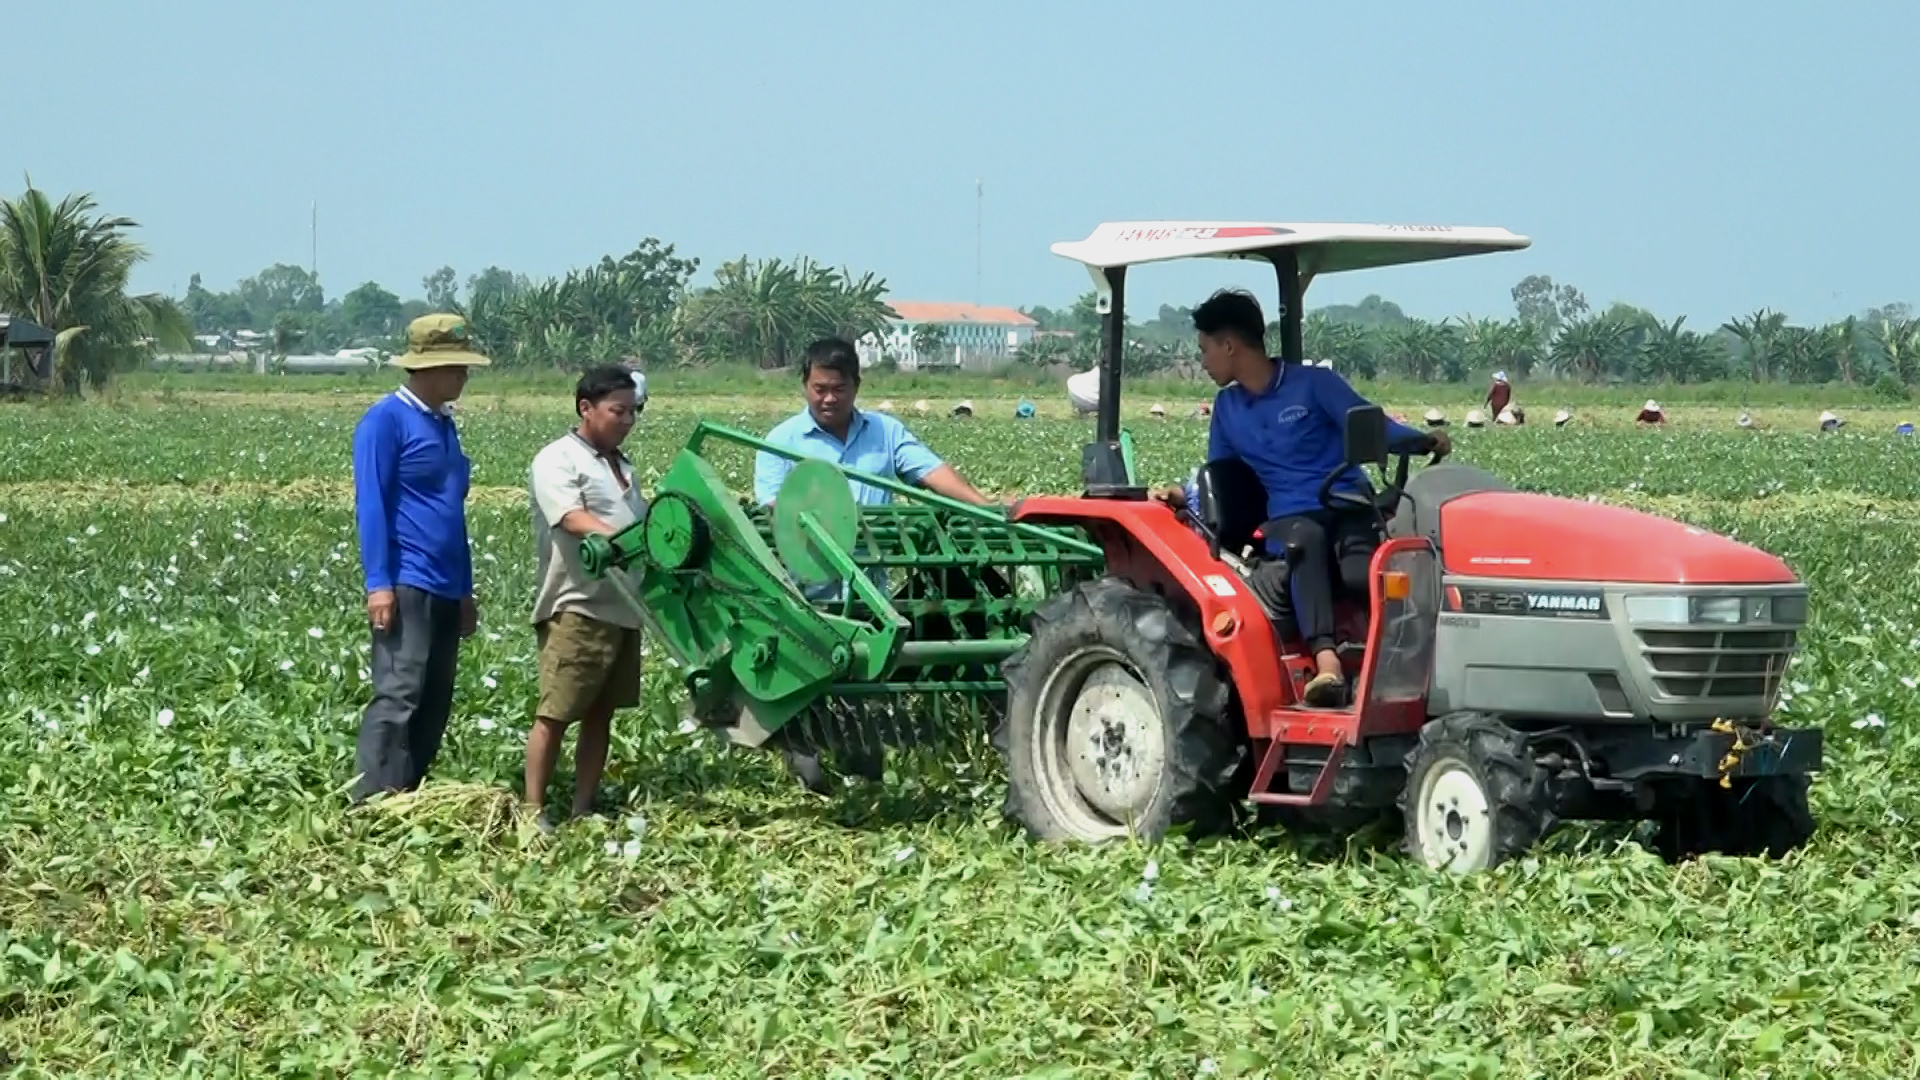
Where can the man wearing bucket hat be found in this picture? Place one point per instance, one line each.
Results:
(410, 480)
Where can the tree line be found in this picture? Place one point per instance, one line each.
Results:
(1553, 333)
(67, 265)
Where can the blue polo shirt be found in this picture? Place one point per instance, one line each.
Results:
(876, 443)
(1293, 433)
(410, 481)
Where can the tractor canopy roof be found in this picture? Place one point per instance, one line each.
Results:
(1319, 248)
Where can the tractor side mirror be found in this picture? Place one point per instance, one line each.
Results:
(1367, 436)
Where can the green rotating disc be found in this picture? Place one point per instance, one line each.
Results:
(676, 533)
(817, 488)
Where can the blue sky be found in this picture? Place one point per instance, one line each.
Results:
(1705, 158)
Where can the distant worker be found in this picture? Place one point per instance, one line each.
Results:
(1500, 394)
(1511, 416)
(1830, 422)
(587, 635)
(1745, 420)
(1287, 423)
(1904, 428)
(1651, 413)
(1158, 412)
(1476, 419)
(1561, 418)
(965, 408)
(410, 482)
(1023, 411)
(1436, 418)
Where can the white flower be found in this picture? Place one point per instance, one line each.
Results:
(1909, 682)
(316, 633)
(1152, 872)
(687, 726)
(489, 682)
(93, 650)
(903, 854)
(1871, 720)
(286, 665)
(165, 719)
(93, 530)
(485, 724)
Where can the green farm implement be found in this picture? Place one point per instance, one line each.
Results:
(821, 624)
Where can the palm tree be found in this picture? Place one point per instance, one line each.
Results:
(1757, 332)
(929, 341)
(65, 266)
(1584, 347)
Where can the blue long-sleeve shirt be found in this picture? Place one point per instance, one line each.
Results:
(1293, 433)
(410, 481)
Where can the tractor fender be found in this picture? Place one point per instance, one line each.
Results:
(1147, 544)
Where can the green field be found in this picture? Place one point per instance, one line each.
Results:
(183, 894)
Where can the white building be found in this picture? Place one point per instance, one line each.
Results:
(971, 336)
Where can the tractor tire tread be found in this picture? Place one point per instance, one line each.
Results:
(1515, 786)
(1202, 754)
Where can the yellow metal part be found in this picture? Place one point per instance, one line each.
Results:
(1741, 745)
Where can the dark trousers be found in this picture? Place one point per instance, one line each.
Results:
(414, 661)
(1336, 551)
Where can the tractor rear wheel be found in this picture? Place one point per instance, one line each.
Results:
(1474, 798)
(1116, 721)
(1765, 815)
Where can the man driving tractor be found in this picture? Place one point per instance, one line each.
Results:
(1287, 422)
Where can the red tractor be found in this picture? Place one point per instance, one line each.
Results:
(1517, 659)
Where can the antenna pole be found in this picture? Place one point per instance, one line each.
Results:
(979, 230)
(313, 267)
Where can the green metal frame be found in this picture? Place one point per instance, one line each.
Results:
(940, 592)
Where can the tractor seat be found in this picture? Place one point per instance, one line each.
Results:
(1233, 507)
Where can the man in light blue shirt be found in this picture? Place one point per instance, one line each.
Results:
(831, 428)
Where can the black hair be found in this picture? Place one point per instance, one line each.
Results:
(1233, 311)
(833, 354)
(598, 382)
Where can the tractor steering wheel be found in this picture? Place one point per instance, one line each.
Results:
(1382, 502)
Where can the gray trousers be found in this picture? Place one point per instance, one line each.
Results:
(414, 661)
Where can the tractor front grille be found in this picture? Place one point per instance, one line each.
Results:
(1713, 664)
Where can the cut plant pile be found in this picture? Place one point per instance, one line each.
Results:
(183, 894)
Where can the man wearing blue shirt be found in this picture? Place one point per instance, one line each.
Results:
(410, 480)
(832, 429)
(1288, 421)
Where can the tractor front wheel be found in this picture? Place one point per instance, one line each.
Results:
(1474, 798)
(1115, 721)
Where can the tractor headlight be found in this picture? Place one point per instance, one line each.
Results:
(1717, 610)
(1726, 610)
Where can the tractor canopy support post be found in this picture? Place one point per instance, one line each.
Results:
(1286, 265)
(1106, 463)
(1113, 345)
